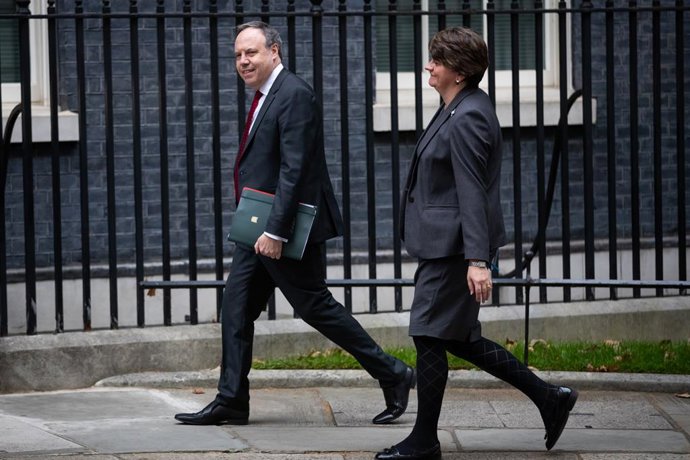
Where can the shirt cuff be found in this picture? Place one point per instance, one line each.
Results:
(275, 237)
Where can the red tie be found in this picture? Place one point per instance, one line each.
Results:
(243, 142)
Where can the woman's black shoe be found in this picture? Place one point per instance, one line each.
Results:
(565, 400)
(393, 453)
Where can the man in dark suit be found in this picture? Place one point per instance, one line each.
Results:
(283, 153)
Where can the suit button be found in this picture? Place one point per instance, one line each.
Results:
(242, 172)
(410, 199)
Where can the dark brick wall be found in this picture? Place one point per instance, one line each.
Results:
(177, 130)
(646, 121)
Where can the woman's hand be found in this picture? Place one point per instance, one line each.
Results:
(479, 283)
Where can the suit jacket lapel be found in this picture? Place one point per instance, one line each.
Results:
(432, 130)
(445, 116)
(270, 97)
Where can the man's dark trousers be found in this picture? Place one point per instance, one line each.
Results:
(251, 282)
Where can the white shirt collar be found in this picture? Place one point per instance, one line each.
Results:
(266, 87)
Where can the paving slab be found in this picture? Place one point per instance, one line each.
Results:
(147, 435)
(575, 440)
(87, 420)
(638, 456)
(672, 404)
(20, 436)
(683, 422)
(362, 456)
(88, 404)
(268, 406)
(358, 406)
(332, 423)
(334, 439)
(510, 455)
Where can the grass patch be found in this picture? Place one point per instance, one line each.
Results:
(664, 357)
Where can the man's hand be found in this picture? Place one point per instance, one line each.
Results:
(267, 246)
(479, 283)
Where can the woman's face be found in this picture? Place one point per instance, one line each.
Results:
(441, 78)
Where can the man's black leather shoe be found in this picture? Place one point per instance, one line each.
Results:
(565, 400)
(396, 398)
(216, 413)
(393, 453)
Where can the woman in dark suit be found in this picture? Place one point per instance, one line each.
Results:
(452, 222)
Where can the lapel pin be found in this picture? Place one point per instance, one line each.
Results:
(452, 112)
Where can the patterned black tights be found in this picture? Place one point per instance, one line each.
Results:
(432, 374)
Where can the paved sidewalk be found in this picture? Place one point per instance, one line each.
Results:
(333, 423)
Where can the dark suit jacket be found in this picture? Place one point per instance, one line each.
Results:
(451, 203)
(285, 155)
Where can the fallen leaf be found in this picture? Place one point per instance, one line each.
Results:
(683, 395)
(151, 292)
(535, 342)
(198, 391)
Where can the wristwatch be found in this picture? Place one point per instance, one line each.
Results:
(478, 263)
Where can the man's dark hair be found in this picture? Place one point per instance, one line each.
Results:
(271, 34)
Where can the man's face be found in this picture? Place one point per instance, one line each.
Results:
(254, 61)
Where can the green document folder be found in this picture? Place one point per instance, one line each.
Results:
(252, 214)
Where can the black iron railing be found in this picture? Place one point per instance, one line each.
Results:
(159, 106)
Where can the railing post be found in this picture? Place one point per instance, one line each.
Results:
(528, 285)
(83, 166)
(317, 50)
(370, 151)
(680, 145)
(541, 189)
(418, 67)
(137, 159)
(395, 152)
(4, 157)
(164, 171)
(563, 137)
(634, 143)
(291, 36)
(517, 150)
(345, 151)
(611, 145)
(587, 153)
(55, 166)
(491, 45)
(657, 134)
(110, 162)
(27, 154)
(189, 147)
(216, 154)
(3, 242)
